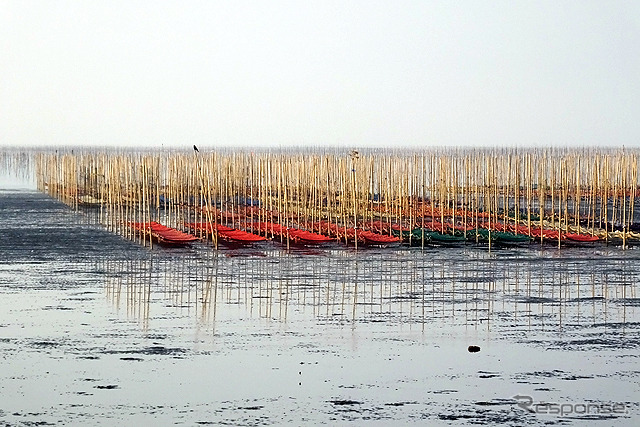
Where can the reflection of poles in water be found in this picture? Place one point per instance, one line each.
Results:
(452, 293)
(282, 278)
(215, 291)
(605, 295)
(423, 292)
(559, 281)
(355, 287)
(130, 281)
(209, 292)
(284, 295)
(593, 296)
(528, 299)
(624, 297)
(395, 290)
(344, 285)
(515, 305)
(578, 298)
(343, 294)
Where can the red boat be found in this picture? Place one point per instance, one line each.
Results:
(163, 234)
(371, 238)
(349, 234)
(334, 230)
(549, 234)
(379, 226)
(580, 238)
(227, 233)
(293, 234)
(545, 233)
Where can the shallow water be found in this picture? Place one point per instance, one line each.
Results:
(99, 330)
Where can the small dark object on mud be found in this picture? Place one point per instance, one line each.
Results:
(132, 359)
(473, 349)
(345, 402)
(107, 387)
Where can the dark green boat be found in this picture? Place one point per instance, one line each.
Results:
(508, 238)
(446, 239)
(435, 237)
(497, 237)
(481, 235)
(406, 234)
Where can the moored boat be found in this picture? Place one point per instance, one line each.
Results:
(225, 233)
(376, 239)
(163, 234)
(294, 235)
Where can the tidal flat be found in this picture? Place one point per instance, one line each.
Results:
(98, 330)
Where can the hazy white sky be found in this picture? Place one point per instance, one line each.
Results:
(352, 73)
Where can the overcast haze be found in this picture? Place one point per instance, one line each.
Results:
(352, 73)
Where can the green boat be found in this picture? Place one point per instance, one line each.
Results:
(417, 236)
(508, 238)
(481, 235)
(446, 239)
(435, 237)
(497, 237)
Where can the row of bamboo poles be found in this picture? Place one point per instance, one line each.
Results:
(590, 191)
(17, 164)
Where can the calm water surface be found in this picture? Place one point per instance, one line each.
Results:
(98, 330)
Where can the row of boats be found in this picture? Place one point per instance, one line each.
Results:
(261, 231)
(372, 233)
